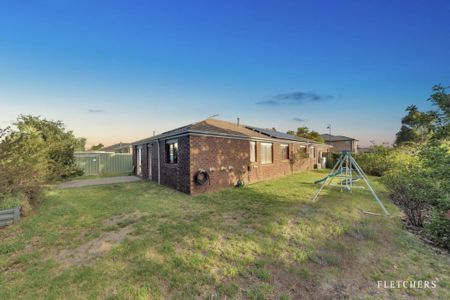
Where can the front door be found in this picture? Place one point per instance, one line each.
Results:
(149, 158)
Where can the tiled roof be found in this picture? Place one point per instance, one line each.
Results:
(219, 127)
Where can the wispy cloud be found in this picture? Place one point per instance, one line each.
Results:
(92, 110)
(295, 98)
(267, 102)
(299, 119)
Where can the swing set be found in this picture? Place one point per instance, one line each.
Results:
(345, 175)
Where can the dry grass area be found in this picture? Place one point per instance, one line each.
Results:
(265, 241)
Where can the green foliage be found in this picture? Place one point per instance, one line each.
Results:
(23, 162)
(10, 200)
(438, 226)
(441, 99)
(304, 132)
(419, 182)
(97, 147)
(331, 159)
(418, 127)
(36, 151)
(59, 144)
(375, 162)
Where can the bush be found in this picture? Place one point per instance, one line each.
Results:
(35, 152)
(419, 182)
(23, 163)
(376, 162)
(331, 159)
(438, 227)
(59, 143)
(414, 194)
(9, 200)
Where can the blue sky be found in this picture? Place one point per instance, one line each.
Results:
(117, 70)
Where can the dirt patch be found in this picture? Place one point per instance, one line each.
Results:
(119, 228)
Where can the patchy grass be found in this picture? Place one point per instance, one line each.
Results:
(140, 240)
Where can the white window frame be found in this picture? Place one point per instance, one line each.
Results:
(139, 160)
(253, 155)
(312, 152)
(281, 151)
(149, 157)
(265, 155)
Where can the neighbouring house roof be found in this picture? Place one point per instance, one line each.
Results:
(116, 146)
(216, 127)
(336, 138)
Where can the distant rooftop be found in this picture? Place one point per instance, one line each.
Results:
(336, 138)
(116, 146)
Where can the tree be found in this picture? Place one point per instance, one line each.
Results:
(418, 127)
(59, 144)
(97, 147)
(307, 134)
(441, 100)
(23, 164)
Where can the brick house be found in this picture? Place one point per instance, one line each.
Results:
(341, 143)
(214, 154)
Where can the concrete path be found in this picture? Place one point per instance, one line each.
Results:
(97, 181)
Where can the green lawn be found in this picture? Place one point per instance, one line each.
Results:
(140, 240)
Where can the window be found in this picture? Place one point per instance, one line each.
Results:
(284, 151)
(252, 151)
(312, 152)
(266, 153)
(303, 152)
(172, 151)
(139, 161)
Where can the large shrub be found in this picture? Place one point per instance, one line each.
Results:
(419, 182)
(35, 151)
(23, 163)
(435, 158)
(376, 162)
(59, 144)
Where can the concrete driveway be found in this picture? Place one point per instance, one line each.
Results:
(97, 181)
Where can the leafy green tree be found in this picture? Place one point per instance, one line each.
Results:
(441, 99)
(23, 164)
(418, 127)
(97, 147)
(59, 144)
(307, 134)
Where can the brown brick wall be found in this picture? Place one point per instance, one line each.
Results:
(215, 152)
(226, 161)
(278, 167)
